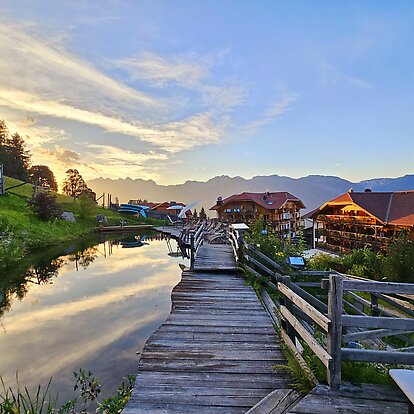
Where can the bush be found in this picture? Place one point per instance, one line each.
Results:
(325, 262)
(399, 263)
(11, 250)
(86, 206)
(45, 206)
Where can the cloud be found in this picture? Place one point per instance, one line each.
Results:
(228, 96)
(273, 112)
(172, 137)
(187, 71)
(63, 155)
(42, 67)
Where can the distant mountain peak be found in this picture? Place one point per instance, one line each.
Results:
(313, 190)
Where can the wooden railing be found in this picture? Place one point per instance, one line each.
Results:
(236, 242)
(196, 240)
(325, 326)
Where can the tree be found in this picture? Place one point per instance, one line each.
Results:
(203, 215)
(13, 154)
(43, 175)
(18, 158)
(195, 215)
(399, 262)
(45, 206)
(4, 133)
(86, 205)
(74, 185)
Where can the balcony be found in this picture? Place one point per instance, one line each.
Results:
(347, 219)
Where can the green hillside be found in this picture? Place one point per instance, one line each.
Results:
(21, 231)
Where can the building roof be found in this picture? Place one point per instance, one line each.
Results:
(270, 201)
(388, 207)
(309, 215)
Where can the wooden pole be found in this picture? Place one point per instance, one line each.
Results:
(103, 200)
(335, 295)
(192, 257)
(240, 243)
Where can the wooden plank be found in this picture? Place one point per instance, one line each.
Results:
(379, 287)
(335, 298)
(385, 357)
(358, 391)
(325, 404)
(312, 312)
(375, 333)
(306, 336)
(264, 257)
(379, 322)
(318, 304)
(215, 379)
(262, 267)
(406, 309)
(298, 356)
(275, 402)
(139, 407)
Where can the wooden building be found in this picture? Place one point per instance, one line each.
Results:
(280, 209)
(356, 220)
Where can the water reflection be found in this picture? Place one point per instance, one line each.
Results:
(91, 305)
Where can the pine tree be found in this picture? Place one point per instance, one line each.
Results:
(4, 133)
(203, 215)
(18, 158)
(4, 136)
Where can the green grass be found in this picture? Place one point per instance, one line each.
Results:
(22, 231)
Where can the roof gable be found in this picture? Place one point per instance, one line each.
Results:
(388, 207)
(269, 201)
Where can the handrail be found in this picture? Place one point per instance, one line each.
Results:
(196, 240)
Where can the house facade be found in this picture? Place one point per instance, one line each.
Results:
(280, 209)
(356, 220)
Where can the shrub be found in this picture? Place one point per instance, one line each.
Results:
(11, 250)
(45, 206)
(399, 263)
(86, 206)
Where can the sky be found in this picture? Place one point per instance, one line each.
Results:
(176, 90)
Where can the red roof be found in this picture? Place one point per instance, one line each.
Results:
(270, 201)
(389, 207)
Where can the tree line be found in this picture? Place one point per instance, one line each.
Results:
(16, 160)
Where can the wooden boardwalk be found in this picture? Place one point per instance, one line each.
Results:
(215, 353)
(217, 350)
(215, 257)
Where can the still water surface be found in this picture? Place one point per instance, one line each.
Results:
(92, 305)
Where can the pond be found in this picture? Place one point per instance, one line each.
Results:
(91, 304)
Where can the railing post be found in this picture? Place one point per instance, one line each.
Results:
(335, 296)
(290, 330)
(240, 252)
(192, 248)
(374, 305)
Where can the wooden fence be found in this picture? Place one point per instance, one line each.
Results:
(196, 240)
(346, 317)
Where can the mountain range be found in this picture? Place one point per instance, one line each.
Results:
(314, 190)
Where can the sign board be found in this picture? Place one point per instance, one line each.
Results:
(1, 180)
(296, 261)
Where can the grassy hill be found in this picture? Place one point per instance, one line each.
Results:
(21, 231)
